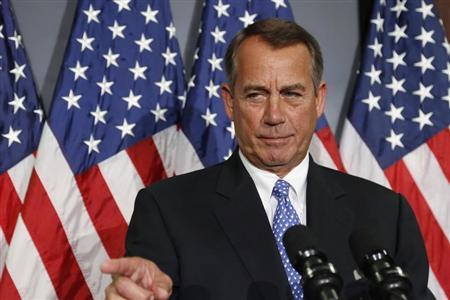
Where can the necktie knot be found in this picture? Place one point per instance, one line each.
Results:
(280, 190)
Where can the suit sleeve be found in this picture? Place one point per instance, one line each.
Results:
(148, 237)
(410, 251)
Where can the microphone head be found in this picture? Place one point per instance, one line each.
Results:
(298, 238)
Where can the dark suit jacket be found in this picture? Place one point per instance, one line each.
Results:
(209, 232)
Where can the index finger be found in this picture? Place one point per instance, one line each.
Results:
(125, 266)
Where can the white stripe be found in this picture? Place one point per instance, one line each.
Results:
(3, 251)
(358, 159)
(123, 181)
(432, 183)
(20, 175)
(434, 286)
(186, 158)
(26, 267)
(164, 142)
(320, 153)
(68, 203)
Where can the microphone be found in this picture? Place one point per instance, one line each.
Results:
(388, 280)
(320, 279)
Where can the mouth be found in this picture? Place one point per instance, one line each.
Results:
(275, 140)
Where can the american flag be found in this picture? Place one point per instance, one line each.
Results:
(111, 131)
(20, 127)
(209, 136)
(397, 131)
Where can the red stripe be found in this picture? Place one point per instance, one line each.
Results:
(51, 241)
(146, 159)
(329, 142)
(436, 243)
(10, 206)
(7, 288)
(440, 146)
(103, 210)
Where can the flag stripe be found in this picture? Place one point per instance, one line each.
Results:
(3, 251)
(20, 175)
(437, 245)
(327, 139)
(7, 287)
(434, 286)
(106, 216)
(10, 206)
(149, 166)
(52, 243)
(323, 157)
(123, 181)
(431, 187)
(67, 202)
(440, 146)
(166, 143)
(187, 159)
(42, 287)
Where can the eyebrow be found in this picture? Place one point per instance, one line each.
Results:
(255, 87)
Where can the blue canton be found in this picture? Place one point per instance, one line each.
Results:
(285, 217)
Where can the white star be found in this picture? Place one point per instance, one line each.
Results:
(212, 89)
(40, 113)
(164, 85)
(446, 45)
(92, 14)
(397, 59)
(86, 42)
(17, 39)
(447, 71)
(228, 155)
(138, 71)
(222, 9)
(171, 30)
(218, 35)
(126, 129)
(79, 71)
(18, 71)
(425, 37)
(159, 112)
(99, 115)
(1, 32)
(374, 75)
(209, 118)
(396, 85)
(169, 57)
(279, 3)
(401, 6)
(72, 100)
(425, 10)
(92, 144)
(191, 83)
(17, 103)
(144, 43)
(424, 92)
(395, 113)
(111, 58)
(398, 32)
(376, 47)
(105, 86)
(12, 136)
(117, 30)
(383, 2)
(425, 63)
(379, 22)
(150, 15)
(132, 100)
(447, 98)
(196, 54)
(247, 19)
(122, 4)
(372, 101)
(230, 129)
(423, 119)
(215, 63)
(395, 140)
(182, 98)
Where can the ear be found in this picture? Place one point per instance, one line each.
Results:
(320, 98)
(227, 96)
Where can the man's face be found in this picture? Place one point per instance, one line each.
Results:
(273, 104)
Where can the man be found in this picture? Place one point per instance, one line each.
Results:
(216, 232)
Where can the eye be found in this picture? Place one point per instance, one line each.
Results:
(255, 96)
(291, 95)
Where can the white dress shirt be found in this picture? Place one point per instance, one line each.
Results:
(265, 181)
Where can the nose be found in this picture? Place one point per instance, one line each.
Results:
(273, 113)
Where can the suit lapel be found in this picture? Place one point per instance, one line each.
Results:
(245, 223)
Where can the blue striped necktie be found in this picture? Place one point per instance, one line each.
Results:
(285, 217)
